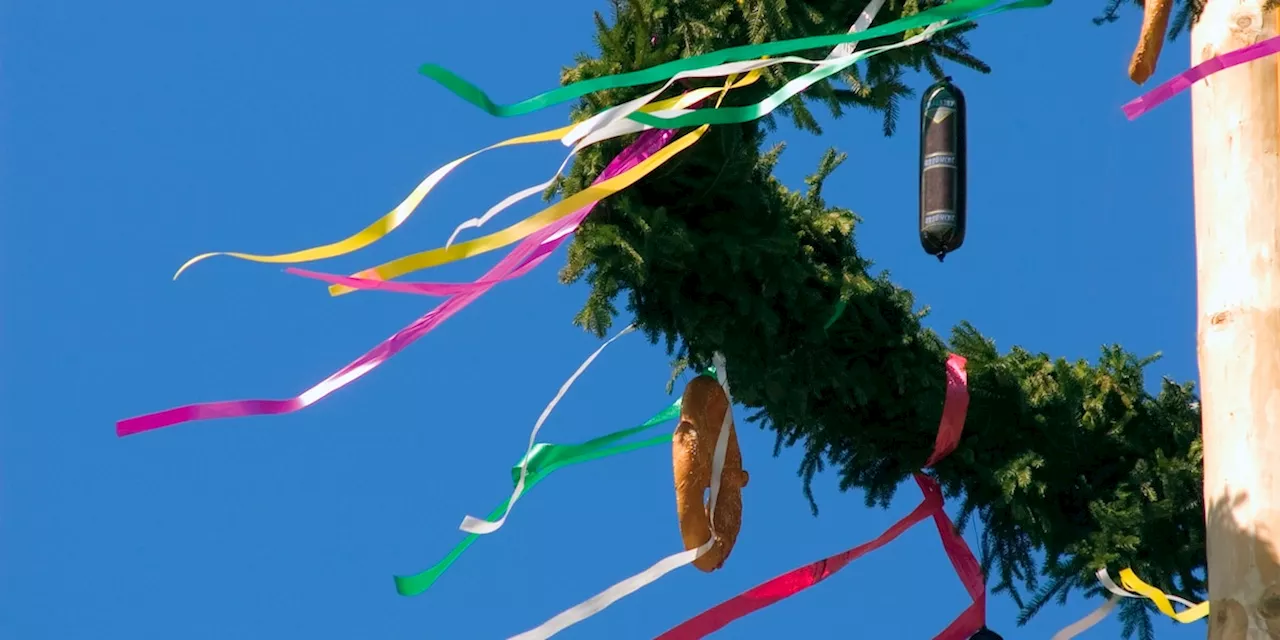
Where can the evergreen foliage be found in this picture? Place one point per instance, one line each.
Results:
(1069, 466)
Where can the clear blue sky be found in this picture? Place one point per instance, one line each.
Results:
(138, 134)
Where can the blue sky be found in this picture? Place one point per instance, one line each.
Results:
(136, 135)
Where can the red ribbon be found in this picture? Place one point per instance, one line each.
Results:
(966, 565)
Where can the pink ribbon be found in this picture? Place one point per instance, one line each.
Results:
(527, 255)
(966, 565)
(566, 225)
(1181, 82)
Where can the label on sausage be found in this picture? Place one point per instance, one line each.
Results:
(937, 160)
(943, 218)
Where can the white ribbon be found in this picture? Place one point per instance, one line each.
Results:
(1111, 586)
(1084, 624)
(603, 118)
(476, 525)
(613, 130)
(407, 206)
(670, 563)
(613, 122)
(861, 24)
(602, 600)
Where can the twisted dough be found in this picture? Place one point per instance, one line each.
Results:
(702, 412)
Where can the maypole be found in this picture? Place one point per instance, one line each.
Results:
(1236, 154)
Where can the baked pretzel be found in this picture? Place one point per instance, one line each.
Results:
(702, 412)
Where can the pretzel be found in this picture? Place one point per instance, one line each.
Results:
(702, 412)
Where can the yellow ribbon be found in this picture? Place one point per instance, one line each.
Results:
(1132, 583)
(520, 230)
(389, 222)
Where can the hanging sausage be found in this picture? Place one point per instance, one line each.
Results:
(942, 169)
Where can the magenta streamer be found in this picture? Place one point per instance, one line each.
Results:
(563, 226)
(528, 254)
(1183, 81)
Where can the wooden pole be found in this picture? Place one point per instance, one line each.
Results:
(1235, 117)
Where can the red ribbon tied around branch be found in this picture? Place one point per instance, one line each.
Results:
(962, 559)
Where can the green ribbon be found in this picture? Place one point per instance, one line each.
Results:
(738, 115)
(957, 12)
(542, 460)
(835, 314)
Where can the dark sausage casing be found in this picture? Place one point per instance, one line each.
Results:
(942, 169)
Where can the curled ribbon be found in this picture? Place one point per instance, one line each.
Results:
(1110, 585)
(592, 194)
(676, 118)
(665, 119)
(524, 228)
(618, 591)
(962, 559)
(397, 216)
(537, 464)
(954, 12)
(826, 68)
(644, 147)
(550, 238)
(1133, 585)
(477, 526)
(610, 130)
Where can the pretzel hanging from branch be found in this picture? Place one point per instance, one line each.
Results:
(702, 412)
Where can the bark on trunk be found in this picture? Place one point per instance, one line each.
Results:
(1236, 140)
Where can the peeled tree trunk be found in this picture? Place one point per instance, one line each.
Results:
(1236, 142)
